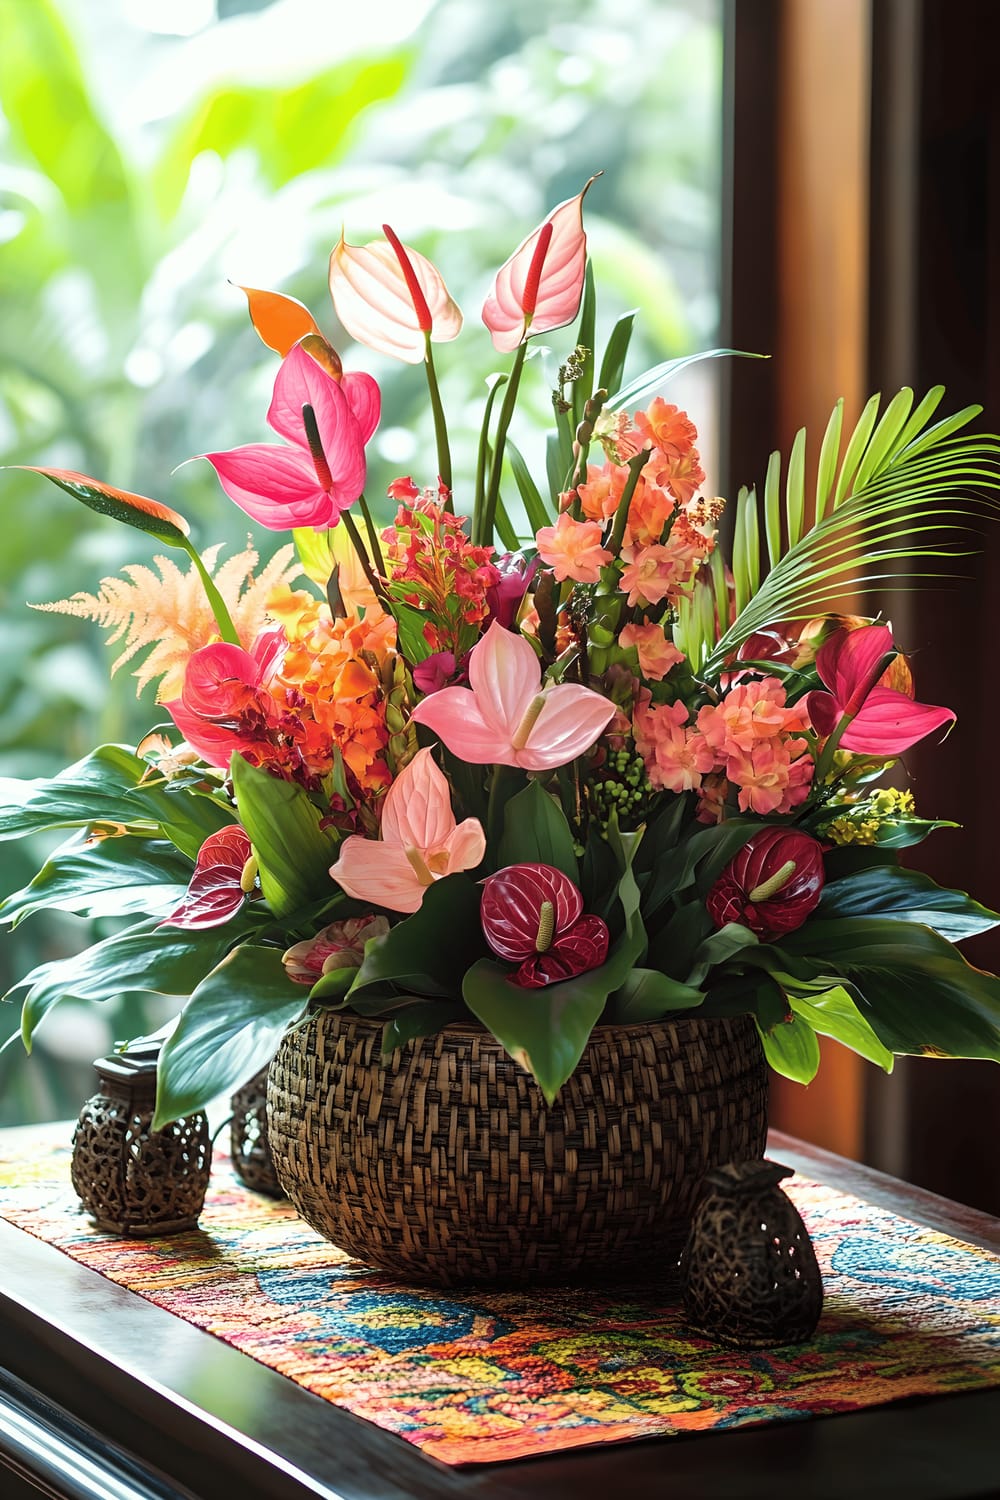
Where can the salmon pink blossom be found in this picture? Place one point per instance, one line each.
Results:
(507, 717)
(676, 755)
(327, 423)
(657, 655)
(420, 842)
(572, 549)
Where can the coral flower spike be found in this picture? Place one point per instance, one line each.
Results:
(540, 286)
(326, 422)
(508, 717)
(420, 842)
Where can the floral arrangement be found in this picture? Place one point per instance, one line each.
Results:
(437, 772)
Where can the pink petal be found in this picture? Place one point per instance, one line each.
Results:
(570, 721)
(506, 676)
(365, 400)
(276, 486)
(454, 715)
(302, 382)
(890, 723)
(824, 713)
(852, 661)
(373, 302)
(508, 312)
(216, 676)
(417, 811)
(466, 846)
(213, 896)
(380, 873)
(214, 742)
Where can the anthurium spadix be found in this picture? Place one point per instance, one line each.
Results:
(391, 298)
(540, 286)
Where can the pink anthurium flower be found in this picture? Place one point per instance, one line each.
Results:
(225, 692)
(420, 842)
(540, 286)
(533, 915)
(884, 722)
(507, 717)
(391, 298)
(327, 423)
(223, 877)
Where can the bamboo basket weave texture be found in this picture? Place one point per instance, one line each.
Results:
(444, 1164)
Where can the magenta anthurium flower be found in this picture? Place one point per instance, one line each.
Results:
(884, 722)
(225, 689)
(772, 885)
(533, 915)
(223, 878)
(420, 842)
(326, 422)
(391, 298)
(507, 717)
(540, 286)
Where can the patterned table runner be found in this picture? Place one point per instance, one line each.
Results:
(492, 1375)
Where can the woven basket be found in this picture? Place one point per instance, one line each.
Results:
(445, 1165)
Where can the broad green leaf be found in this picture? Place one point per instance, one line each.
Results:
(146, 959)
(700, 858)
(717, 949)
(121, 505)
(410, 624)
(535, 831)
(906, 896)
(903, 833)
(102, 878)
(544, 1030)
(648, 995)
(916, 990)
(505, 527)
(833, 1013)
(229, 1029)
(428, 952)
(106, 787)
(792, 1049)
(293, 852)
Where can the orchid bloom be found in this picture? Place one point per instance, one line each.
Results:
(392, 299)
(420, 842)
(327, 421)
(507, 717)
(539, 287)
(883, 721)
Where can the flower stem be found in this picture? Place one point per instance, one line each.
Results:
(484, 532)
(440, 425)
(359, 547)
(227, 629)
(373, 540)
(635, 467)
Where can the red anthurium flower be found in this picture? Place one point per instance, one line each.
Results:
(772, 885)
(884, 722)
(327, 422)
(533, 915)
(540, 286)
(222, 880)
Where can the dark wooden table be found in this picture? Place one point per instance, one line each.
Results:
(105, 1397)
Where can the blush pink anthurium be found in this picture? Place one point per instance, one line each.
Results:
(540, 286)
(420, 842)
(326, 422)
(224, 876)
(883, 721)
(507, 717)
(392, 299)
(771, 886)
(533, 915)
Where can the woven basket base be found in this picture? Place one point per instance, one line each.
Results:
(445, 1165)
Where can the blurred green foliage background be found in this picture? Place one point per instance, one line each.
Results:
(151, 149)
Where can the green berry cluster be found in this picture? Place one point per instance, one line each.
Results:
(620, 785)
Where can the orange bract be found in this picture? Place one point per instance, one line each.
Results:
(279, 320)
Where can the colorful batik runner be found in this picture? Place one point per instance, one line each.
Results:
(485, 1375)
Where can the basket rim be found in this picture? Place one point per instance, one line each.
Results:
(473, 1028)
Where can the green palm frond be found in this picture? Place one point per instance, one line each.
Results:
(904, 490)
